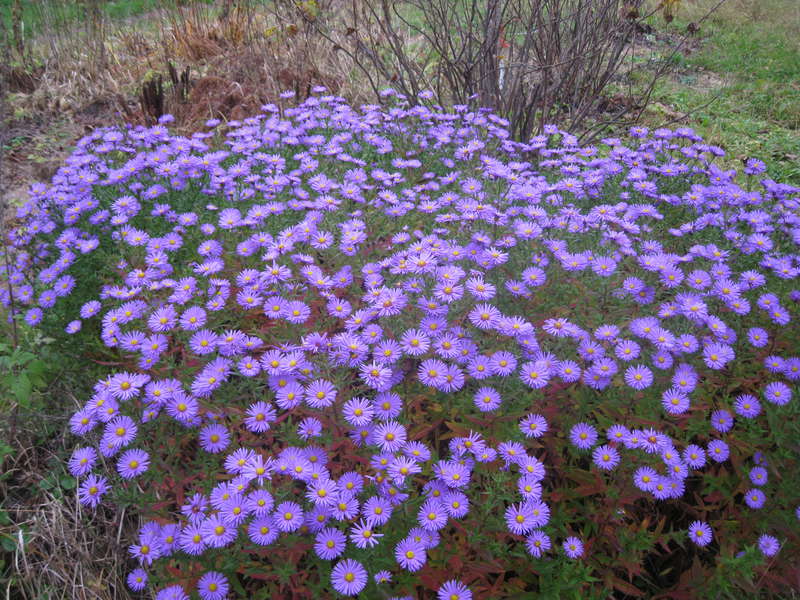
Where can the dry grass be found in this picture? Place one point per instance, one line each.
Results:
(62, 551)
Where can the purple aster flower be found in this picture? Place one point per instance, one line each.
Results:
(288, 516)
(718, 451)
(520, 519)
(432, 515)
(82, 461)
(645, 478)
(755, 498)
(605, 457)
(573, 547)
(758, 475)
(383, 576)
(638, 377)
(133, 463)
(694, 456)
(173, 592)
(778, 393)
(390, 436)
(214, 438)
(363, 534)
(533, 426)
(453, 590)
(137, 580)
(410, 554)
(349, 577)
(537, 543)
(92, 490)
(212, 586)
(768, 545)
(216, 532)
(487, 399)
(263, 530)
(320, 394)
(330, 543)
(700, 533)
(721, 420)
(583, 436)
(258, 417)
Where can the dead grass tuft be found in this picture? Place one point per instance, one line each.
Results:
(62, 551)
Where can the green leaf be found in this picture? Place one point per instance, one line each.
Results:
(8, 543)
(21, 388)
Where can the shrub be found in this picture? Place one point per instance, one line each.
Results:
(396, 341)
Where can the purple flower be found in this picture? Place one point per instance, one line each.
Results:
(487, 399)
(212, 586)
(349, 577)
(700, 533)
(583, 436)
(537, 543)
(769, 545)
(263, 530)
(216, 532)
(82, 461)
(758, 475)
(718, 451)
(410, 554)
(605, 457)
(133, 463)
(755, 498)
(453, 590)
(214, 438)
(363, 535)
(638, 377)
(778, 393)
(533, 426)
(137, 580)
(330, 543)
(573, 547)
(92, 490)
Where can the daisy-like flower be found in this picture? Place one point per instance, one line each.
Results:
(583, 436)
(758, 475)
(638, 377)
(363, 535)
(700, 533)
(718, 451)
(82, 461)
(263, 530)
(349, 577)
(410, 554)
(573, 547)
(769, 545)
(432, 515)
(213, 586)
(487, 399)
(137, 580)
(538, 543)
(453, 590)
(383, 576)
(258, 417)
(520, 518)
(390, 436)
(605, 457)
(330, 543)
(755, 498)
(778, 393)
(288, 516)
(133, 463)
(533, 426)
(320, 394)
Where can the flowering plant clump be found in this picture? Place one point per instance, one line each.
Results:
(391, 351)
